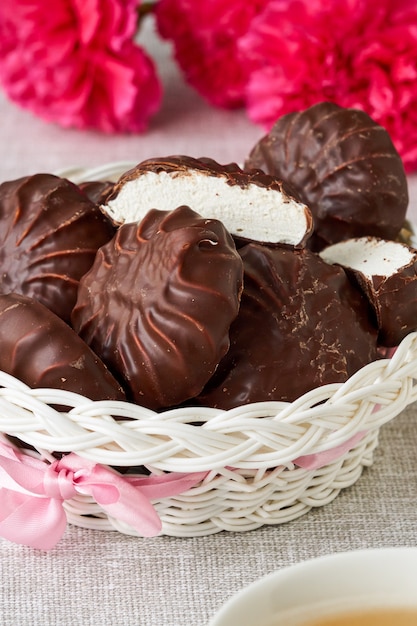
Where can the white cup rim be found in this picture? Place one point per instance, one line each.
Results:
(365, 575)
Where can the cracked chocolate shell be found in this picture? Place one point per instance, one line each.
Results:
(386, 271)
(158, 302)
(251, 205)
(301, 324)
(49, 235)
(41, 350)
(343, 165)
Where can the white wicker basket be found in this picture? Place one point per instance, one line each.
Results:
(261, 459)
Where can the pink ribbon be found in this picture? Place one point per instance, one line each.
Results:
(319, 459)
(32, 493)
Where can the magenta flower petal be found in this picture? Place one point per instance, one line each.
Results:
(205, 37)
(359, 53)
(75, 63)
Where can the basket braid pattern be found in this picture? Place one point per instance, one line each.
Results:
(241, 500)
(248, 452)
(255, 436)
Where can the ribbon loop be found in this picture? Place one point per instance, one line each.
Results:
(32, 493)
(58, 483)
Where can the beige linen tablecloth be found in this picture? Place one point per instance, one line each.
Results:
(97, 578)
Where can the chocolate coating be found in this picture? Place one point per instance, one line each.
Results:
(343, 165)
(182, 164)
(158, 303)
(97, 190)
(393, 297)
(395, 303)
(301, 325)
(49, 235)
(43, 351)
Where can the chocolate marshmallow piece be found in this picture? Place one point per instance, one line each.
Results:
(43, 351)
(49, 235)
(386, 271)
(158, 303)
(301, 325)
(343, 165)
(251, 205)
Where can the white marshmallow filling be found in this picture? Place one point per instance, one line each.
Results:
(369, 256)
(253, 212)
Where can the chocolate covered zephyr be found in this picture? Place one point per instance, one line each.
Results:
(301, 324)
(43, 351)
(49, 235)
(251, 205)
(158, 303)
(386, 271)
(343, 165)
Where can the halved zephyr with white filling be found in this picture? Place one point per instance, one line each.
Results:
(251, 205)
(386, 271)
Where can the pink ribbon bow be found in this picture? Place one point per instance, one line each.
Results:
(32, 493)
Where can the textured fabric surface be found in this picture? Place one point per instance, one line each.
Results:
(94, 578)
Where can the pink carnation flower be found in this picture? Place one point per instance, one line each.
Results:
(356, 53)
(74, 62)
(205, 36)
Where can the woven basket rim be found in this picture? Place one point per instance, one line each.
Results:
(258, 435)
